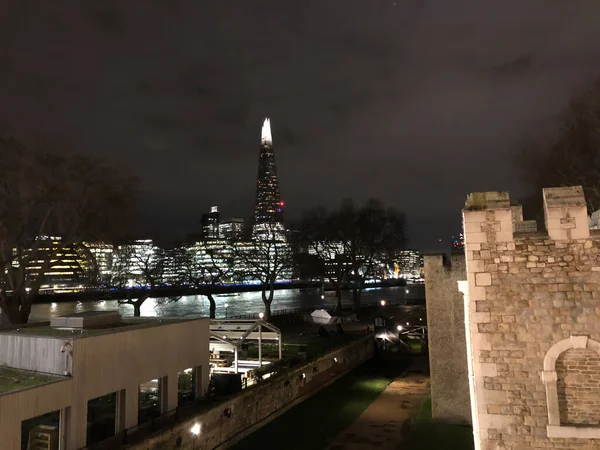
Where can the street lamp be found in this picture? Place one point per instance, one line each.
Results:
(261, 315)
(400, 328)
(382, 302)
(226, 305)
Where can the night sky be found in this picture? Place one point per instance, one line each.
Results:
(415, 102)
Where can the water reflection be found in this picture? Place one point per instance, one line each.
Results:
(228, 304)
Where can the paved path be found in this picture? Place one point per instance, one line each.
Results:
(379, 426)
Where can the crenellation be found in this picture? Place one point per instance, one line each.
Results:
(535, 334)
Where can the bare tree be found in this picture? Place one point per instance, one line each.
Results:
(568, 156)
(265, 259)
(212, 270)
(357, 239)
(148, 270)
(319, 236)
(46, 193)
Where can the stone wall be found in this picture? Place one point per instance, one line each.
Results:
(233, 419)
(578, 373)
(447, 346)
(533, 333)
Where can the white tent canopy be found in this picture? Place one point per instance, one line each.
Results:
(228, 335)
(322, 317)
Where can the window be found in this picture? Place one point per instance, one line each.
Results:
(41, 432)
(186, 386)
(149, 401)
(101, 416)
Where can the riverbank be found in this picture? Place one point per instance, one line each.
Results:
(114, 294)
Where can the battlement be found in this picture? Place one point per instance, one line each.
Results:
(489, 216)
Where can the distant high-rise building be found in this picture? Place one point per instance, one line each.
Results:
(210, 224)
(458, 243)
(232, 230)
(268, 212)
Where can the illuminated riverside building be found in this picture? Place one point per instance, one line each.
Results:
(103, 254)
(409, 264)
(213, 259)
(232, 230)
(268, 211)
(131, 259)
(72, 267)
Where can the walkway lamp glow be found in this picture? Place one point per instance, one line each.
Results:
(195, 430)
(382, 302)
(400, 328)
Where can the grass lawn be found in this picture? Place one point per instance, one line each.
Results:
(427, 434)
(15, 380)
(314, 423)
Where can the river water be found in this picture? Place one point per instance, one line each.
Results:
(229, 305)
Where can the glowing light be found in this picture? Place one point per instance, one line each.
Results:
(226, 305)
(281, 204)
(400, 328)
(407, 291)
(261, 315)
(266, 137)
(195, 430)
(382, 302)
(334, 360)
(407, 323)
(322, 296)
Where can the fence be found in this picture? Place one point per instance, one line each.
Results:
(310, 309)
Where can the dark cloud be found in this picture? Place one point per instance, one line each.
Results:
(108, 18)
(416, 103)
(513, 67)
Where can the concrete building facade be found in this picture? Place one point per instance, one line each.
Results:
(447, 345)
(76, 364)
(533, 329)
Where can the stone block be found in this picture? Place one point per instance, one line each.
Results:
(483, 279)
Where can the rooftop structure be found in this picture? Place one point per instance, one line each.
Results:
(229, 335)
(65, 375)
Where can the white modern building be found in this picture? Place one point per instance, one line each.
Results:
(88, 376)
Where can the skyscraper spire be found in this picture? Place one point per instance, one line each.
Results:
(269, 207)
(266, 138)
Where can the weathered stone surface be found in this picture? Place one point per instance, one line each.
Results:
(540, 290)
(445, 319)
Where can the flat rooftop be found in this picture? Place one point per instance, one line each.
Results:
(125, 324)
(12, 380)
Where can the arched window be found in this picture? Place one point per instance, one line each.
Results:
(572, 376)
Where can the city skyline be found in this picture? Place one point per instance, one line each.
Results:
(416, 104)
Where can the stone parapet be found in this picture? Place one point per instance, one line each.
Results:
(533, 322)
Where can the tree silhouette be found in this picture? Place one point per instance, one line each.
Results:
(45, 193)
(568, 156)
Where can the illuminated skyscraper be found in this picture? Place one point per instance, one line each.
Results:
(268, 212)
(210, 224)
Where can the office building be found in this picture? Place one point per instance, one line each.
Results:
(72, 267)
(232, 230)
(210, 224)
